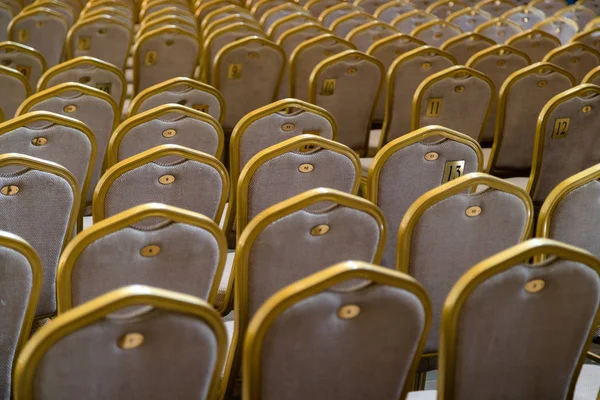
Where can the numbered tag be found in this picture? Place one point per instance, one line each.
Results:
(83, 43)
(150, 58)
(234, 71)
(104, 86)
(25, 70)
(200, 107)
(328, 88)
(561, 127)
(453, 170)
(23, 35)
(434, 107)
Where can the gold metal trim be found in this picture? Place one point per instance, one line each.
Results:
(301, 27)
(287, 18)
(441, 22)
(550, 20)
(528, 34)
(499, 50)
(276, 9)
(148, 26)
(464, 37)
(24, 49)
(366, 27)
(12, 35)
(342, 5)
(391, 39)
(411, 14)
(591, 76)
(349, 16)
(13, 73)
(567, 48)
(495, 22)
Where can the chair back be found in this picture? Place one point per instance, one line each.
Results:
(444, 8)
(549, 7)
(27, 60)
(499, 29)
(563, 28)
(464, 46)
(436, 32)
(495, 7)
(535, 43)
(365, 35)
(408, 22)
(578, 13)
(469, 18)
(525, 16)
(391, 9)
(576, 58)
(16, 89)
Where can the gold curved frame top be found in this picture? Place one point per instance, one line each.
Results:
(110, 3)
(367, 26)
(568, 47)
(13, 73)
(101, 307)
(542, 124)
(256, 5)
(463, 37)
(155, 113)
(435, 22)
(408, 140)
(144, 8)
(299, 28)
(346, 55)
(573, 8)
(486, 2)
(495, 22)
(349, 16)
(145, 94)
(379, 10)
(111, 12)
(9, 46)
(8, 9)
(591, 32)
(52, 5)
(519, 254)
(228, 20)
(174, 11)
(121, 221)
(151, 155)
(523, 8)
(454, 187)
(592, 75)
(274, 10)
(148, 26)
(287, 18)
(392, 38)
(81, 61)
(89, 21)
(286, 146)
(439, 3)
(411, 14)
(199, 11)
(498, 49)
(551, 20)
(444, 74)
(342, 5)
(528, 34)
(222, 10)
(594, 23)
(472, 11)
(311, 286)
(38, 10)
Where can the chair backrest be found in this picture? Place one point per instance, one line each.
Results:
(162, 54)
(549, 7)
(92, 106)
(347, 85)
(577, 58)
(91, 72)
(284, 353)
(184, 91)
(307, 56)
(535, 43)
(458, 98)
(182, 251)
(278, 12)
(28, 184)
(27, 60)
(16, 89)
(589, 38)
(436, 32)
(403, 78)
(427, 157)
(181, 22)
(499, 29)
(591, 4)
(6, 15)
(20, 284)
(521, 98)
(344, 24)
(291, 167)
(166, 124)
(288, 22)
(563, 28)
(107, 11)
(262, 6)
(525, 16)
(130, 348)
(365, 35)
(469, 18)
(574, 110)
(334, 12)
(444, 8)
(495, 7)
(43, 29)
(391, 9)
(408, 22)
(498, 63)
(464, 46)
(578, 13)
(168, 174)
(520, 303)
(447, 231)
(248, 69)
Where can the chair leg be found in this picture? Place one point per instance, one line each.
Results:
(420, 379)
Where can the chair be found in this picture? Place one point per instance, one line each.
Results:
(20, 284)
(332, 13)
(549, 7)
(24, 59)
(291, 167)
(521, 99)
(577, 58)
(495, 7)
(95, 108)
(248, 69)
(591, 4)
(14, 6)
(448, 230)
(162, 54)
(408, 22)
(61, 8)
(443, 8)
(525, 16)
(592, 77)
(261, 6)
(404, 77)
(166, 124)
(499, 29)
(386, 50)
(562, 291)
(498, 63)
(112, 12)
(469, 18)
(183, 91)
(348, 75)
(557, 153)
(307, 56)
(464, 46)
(364, 36)
(16, 89)
(563, 28)
(390, 10)
(228, 20)
(185, 21)
(589, 38)
(427, 157)
(206, 8)
(130, 346)
(357, 316)
(437, 32)
(369, 6)
(288, 22)
(458, 98)
(578, 13)
(40, 201)
(6, 15)
(344, 24)
(535, 43)
(281, 11)
(43, 29)
(91, 72)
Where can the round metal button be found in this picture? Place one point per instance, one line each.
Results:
(473, 211)
(575, 60)
(319, 230)
(542, 83)
(348, 311)
(500, 63)
(166, 179)
(150, 250)
(426, 65)
(131, 340)
(305, 168)
(9, 190)
(288, 127)
(431, 156)
(84, 79)
(535, 285)
(586, 109)
(70, 108)
(39, 141)
(351, 71)
(169, 133)
(459, 89)
(253, 56)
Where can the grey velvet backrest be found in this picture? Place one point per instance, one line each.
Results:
(27, 60)
(436, 32)
(248, 69)
(291, 21)
(588, 37)
(365, 35)
(391, 9)
(20, 284)
(16, 89)
(535, 43)
(291, 167)
(549, 7)
(345, 24)
(6, 15)
(43, 29)
(329, 15)
(39, 201)
(181, 251)
(578, 13)
(495, 7)
(344, 76)
(458, 98)
(169, 174)
(521, 99)
(444, 8)
(277, 12)
(463, 46)
(95, 108)
(563, 28)
(447, 230)
(407, 23)
(145, 342)
(287, 330)
(573, 111)
(576, 58)
(499, 29)
(526, 16)
(427, 157)
(469, 18)
(505, 307)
